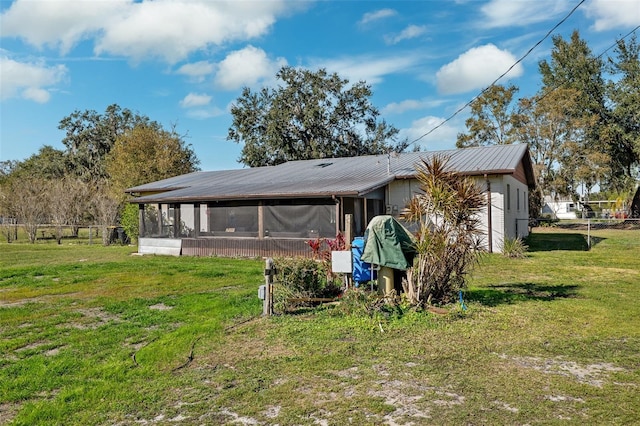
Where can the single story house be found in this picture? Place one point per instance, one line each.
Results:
(275, 210)
(559, 208)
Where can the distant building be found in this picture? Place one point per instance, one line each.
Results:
(559, 209)
(274, 210)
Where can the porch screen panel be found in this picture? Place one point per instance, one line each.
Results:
(300, 221)
(241, 221)
(187, 220)
(153, 221)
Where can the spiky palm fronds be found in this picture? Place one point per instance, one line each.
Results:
(449, 237)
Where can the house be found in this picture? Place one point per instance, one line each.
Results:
(275, 210)
(559, 208)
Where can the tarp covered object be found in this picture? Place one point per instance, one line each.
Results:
(388, 243)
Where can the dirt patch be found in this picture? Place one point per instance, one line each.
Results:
(591, 374)
(412, 400)
(8, 412)
(160, 307)
(93, 318)
(236, 418)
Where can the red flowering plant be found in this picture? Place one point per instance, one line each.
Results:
(322, 248)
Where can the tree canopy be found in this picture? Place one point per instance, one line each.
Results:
(147, 153)
(90, 136)
(309, 115)
(491, 120)
(582, 131)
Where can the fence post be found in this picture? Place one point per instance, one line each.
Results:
(589, 234)
(267, 307)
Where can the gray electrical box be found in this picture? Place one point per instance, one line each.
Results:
(262, 292)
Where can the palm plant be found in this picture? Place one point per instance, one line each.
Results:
(449, 232)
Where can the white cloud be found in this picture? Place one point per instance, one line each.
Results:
(59, 24)
(368, 68)
(508, 13)
(246, 67)
(168, 30)
(197, 71)
(410, 105)
(412, 31)
(203, 114)
(476, 69)
(614, 14)
(195, 100)
(444, 137)
(29, 80)
(377, 15)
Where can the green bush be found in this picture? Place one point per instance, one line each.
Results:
(129, 221)
(514, 248)
(300, 278)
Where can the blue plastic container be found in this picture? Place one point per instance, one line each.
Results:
(361, 270)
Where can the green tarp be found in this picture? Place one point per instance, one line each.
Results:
(388, 243)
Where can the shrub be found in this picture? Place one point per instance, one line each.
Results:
(514, 248)
(300, 278)
(449, 233)
(129, 221)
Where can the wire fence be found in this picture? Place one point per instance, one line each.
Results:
(11, 230)
(592, 227)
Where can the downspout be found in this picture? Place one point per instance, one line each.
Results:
(338, 213)
(489, 225)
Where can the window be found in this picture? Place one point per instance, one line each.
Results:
(518, 198)
(508, 197)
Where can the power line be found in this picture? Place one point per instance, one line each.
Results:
(462, 108)
(595, 58)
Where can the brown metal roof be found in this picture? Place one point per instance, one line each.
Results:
(351, 176)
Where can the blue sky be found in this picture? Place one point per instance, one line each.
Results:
(186, 62)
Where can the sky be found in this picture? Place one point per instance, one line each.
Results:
(184, 63)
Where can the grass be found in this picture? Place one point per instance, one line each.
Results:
(94, 335)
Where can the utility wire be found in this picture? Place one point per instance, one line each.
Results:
(462, 108)
(558, 85)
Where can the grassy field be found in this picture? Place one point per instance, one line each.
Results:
(95, 335)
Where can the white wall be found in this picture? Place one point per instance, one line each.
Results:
(399, 193)
(517, 213)
(504, 215)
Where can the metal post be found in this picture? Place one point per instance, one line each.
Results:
(267, 307)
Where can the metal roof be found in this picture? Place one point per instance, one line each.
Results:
(349, 176)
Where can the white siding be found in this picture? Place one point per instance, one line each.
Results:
(399, 193)
(517, 217)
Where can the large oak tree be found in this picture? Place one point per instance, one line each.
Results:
(309, 115)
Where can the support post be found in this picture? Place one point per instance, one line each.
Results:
(348, 230)
(269, 271)
(489, 219)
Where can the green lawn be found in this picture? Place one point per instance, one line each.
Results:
(96, 335)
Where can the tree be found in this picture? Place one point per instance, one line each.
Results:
(147, 153)
(105, 207)
(555, 138)
(90, 137)
(446, 212)
(310, 115)
(28, 204)
(47, 163)
(574, 67)
(622, 133)
(491, 121)
(68, 200)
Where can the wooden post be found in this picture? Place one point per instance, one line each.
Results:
(267, 306)
(348, 230)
